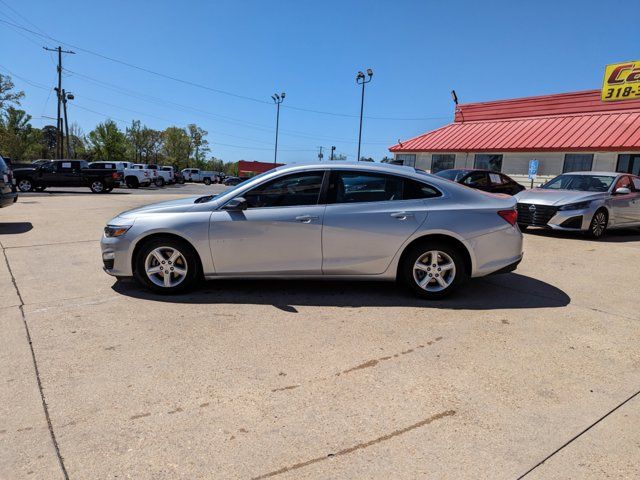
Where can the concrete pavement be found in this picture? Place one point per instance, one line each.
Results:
(317, 380)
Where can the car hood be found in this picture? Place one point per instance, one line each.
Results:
(543, 196)
(172, 206)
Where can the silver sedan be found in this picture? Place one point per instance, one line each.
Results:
(590, 202)
(337, 220)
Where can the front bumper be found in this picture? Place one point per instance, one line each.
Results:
(564, 220)
(116, 258)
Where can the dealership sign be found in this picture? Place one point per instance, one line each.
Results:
(621, 82)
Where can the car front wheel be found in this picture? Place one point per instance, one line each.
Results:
(25, 185)
(433, 269)
(167, 265)
(598, 224)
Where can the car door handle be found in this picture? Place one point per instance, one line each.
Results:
(401, 215)
(306, 218)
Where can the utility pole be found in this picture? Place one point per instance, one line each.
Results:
(277, 99)
(320, 155)
(361, 80)
(333, 149)
(59, 135)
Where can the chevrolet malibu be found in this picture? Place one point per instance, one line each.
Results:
(334, 221)
(589, 202)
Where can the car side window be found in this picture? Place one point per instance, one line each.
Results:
(354, 187)
(476, 179)
(287, 191)
(412, 190)
(636, 183)
(495, 179)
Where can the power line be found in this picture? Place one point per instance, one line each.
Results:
(205, 87)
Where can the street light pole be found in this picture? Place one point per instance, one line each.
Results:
(67, 96)
(362, 80)
(277, 99)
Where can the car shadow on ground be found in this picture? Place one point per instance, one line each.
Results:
(12, 228)
(67, 192)
(613, 236)
(508, 291)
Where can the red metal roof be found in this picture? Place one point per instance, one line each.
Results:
(577, 121)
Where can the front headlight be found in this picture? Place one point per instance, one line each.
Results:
(115, 230)
(575, 206)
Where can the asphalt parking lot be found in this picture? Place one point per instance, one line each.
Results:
(311, 380)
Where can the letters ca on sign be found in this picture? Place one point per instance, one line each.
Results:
(621, 82)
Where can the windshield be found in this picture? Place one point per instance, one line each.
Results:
(454, 175)
(582, 183)
(241, 184)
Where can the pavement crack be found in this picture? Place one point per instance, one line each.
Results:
(359, 446)
(575, 437)
(35, 366)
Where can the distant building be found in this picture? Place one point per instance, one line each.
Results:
(564, 132)
(250, 169)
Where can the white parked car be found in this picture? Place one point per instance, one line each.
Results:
(197, 175)
(133, 177)
(171, 171)
(162, 176)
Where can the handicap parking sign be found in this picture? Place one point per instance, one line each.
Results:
(533, 169)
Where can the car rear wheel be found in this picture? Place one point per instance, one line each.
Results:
(167, 265)
(97, 186)
(25, 185)
(207, 181)
(160, 182)
(433, 269)
(132, 182)
(598, 224)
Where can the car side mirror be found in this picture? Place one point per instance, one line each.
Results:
(236, 204)
(622, 191)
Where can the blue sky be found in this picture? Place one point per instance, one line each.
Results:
(419, 51)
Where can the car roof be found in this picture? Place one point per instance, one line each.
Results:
(610, 174)
(371, 166)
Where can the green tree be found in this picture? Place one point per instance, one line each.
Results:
(18, 139)
(8, 97)
(198, 144)
(135, 137)
(107, 142)
(176, 146)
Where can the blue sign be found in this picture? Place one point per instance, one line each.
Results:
(533, 169)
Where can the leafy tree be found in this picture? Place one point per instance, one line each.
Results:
(77, 141)
(7, 95)
(107, 142)
(18, 139)
(176, 146)
(135, 137)
(198, 145)
(48, 141)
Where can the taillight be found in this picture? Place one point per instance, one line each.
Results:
(510, 216)
(146, 174)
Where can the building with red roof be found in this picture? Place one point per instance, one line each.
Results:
(564, 132)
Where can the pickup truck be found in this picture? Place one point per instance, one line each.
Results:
(197, 175)
(163, 177)
(133, 177)
(175, 176)
(66, 173)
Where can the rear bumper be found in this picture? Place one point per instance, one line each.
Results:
(496, 251)
(509, 268)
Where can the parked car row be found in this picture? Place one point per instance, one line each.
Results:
(8, 191)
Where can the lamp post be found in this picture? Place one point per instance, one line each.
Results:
(277, 99)
(362, 80)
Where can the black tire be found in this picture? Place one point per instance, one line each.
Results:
(39, 188)
(181, 182)
(207, 181)
(598, 225)
(188, 257)
(25, 185)
(160, 182)
(433, 289)
(522, 227)
(132, 182)
(97, 186)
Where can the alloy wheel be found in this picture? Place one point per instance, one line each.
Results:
(598, 224)
(25, 185)
(166, 267)
(434, 271)
(97, 186)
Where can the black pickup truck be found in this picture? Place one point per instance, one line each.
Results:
(66, 173)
